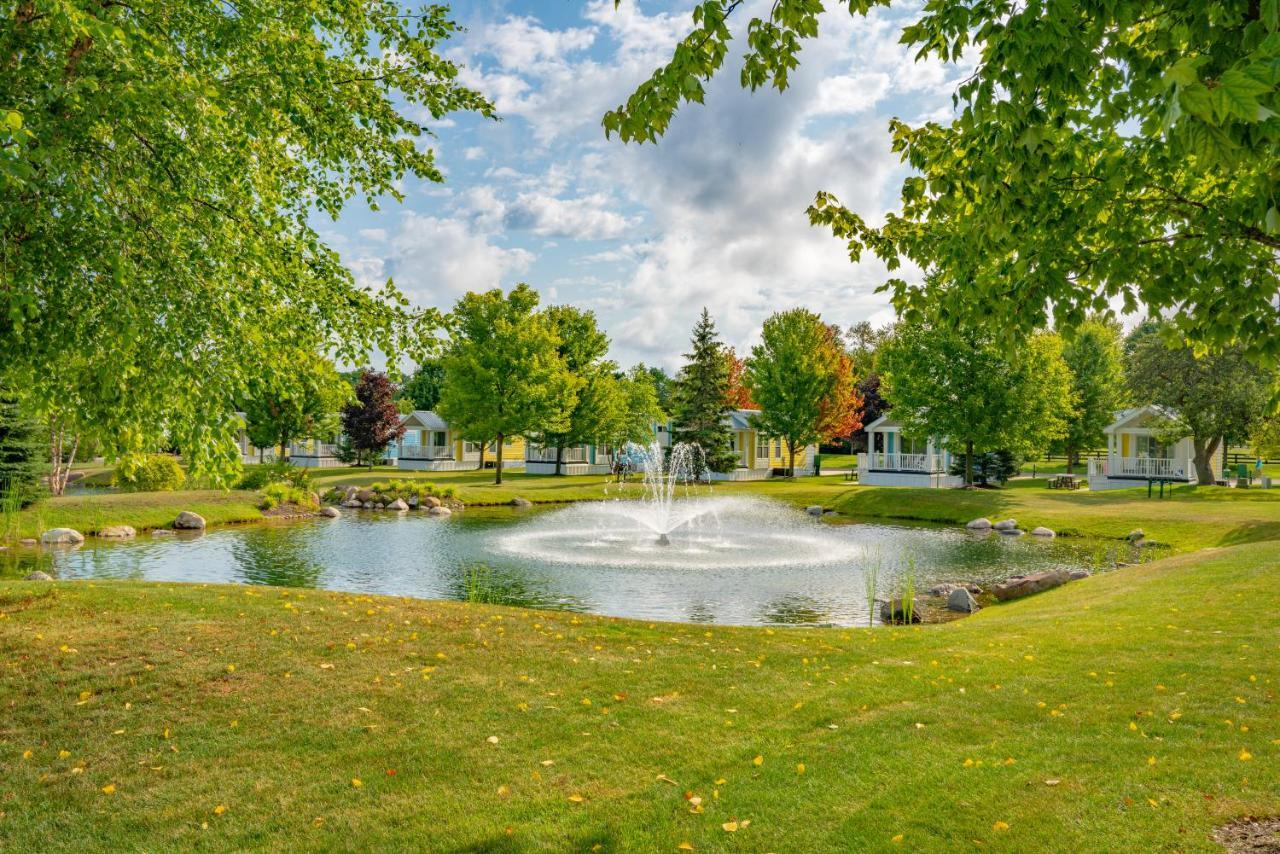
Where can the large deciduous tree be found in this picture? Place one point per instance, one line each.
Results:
(1102, 151)
(295, 397)
(803, 381)
(503, 373)
(739, 395)
(161, 168)
(973, 395)
(597, 401)
(1093, 353)
(371, 421)
(700, 398)
(1212, 398)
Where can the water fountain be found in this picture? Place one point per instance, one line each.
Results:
(668, 518)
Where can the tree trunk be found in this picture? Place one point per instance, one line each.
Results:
(497, 468)
(1204, 450)
(968, 462)
(482, 450)
(791, 458)
(1073, 457)
(559, 457)
(60, 470)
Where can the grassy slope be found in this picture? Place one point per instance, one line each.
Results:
(88, 513)
(901, 731)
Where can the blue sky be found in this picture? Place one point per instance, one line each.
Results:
(646, 235)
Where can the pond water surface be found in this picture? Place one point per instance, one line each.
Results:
(796, 570)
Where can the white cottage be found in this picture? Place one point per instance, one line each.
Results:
(1135, 454)
(429, 444)
(893, 459)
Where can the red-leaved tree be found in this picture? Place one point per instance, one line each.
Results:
(371, 422)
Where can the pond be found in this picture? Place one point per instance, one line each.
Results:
(727, 561)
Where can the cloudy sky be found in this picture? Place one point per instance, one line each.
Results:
(713, 215)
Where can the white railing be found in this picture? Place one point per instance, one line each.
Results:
(548, 455)
(312, 449)
(1143, 467)
(875, 460)
(413, 451)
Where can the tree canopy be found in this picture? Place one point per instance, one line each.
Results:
(1211, 398)
(297, 396)
(803, 381)
(974, 395)
(422, 388)
(598, 400)
(503, 373)
(1093, 353)
(161, 165)
(1102, 151)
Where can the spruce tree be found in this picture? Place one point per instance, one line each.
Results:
(700, 399)
(22, 451)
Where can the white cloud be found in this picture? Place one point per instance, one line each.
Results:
(473, 152)
(435, 260)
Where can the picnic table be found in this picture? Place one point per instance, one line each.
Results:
(1065, 481)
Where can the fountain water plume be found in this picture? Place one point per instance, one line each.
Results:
(675, 523)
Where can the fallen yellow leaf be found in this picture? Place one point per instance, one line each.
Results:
(685, 846)
(897, 839)
(355, 782)
(730, 827)
(799, 767)
(1000, 825)
(109, 789)
(759, 760)
(577, 799)
(219, 809)
(1245, 755)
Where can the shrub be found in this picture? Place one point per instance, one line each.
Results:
(275, 494)
(990, 467)
(149, 473)
(256, 477)
(23, 453)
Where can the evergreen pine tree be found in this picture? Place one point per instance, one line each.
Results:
(700, 399)
(22, 451)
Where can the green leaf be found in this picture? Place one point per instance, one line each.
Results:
(1272, 221)
(1271, 14)
(1181, 73)
(1239, 93)
(1196, 101)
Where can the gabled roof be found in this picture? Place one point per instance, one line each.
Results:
(426, 419)
(740, 419)
(1131, 416)
(882, 421)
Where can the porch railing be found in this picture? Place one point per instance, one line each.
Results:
(1143, 467)
(548, 455)
(313, 449)
(875, 460)
(414, 451)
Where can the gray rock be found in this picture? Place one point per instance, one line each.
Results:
(26, 541)
(61, 537)
(368, 505)
(1042, 531)
(188, 521)
(366, 496)
(38, 576)
(944, 589)
(440, 511)
(979, 524)
(521, 502)
(352, 503)
(1077, 574)
(413, 501)
(894, 611)
(1134, 535)
(430, 502)
(1025, 585)
(1006, 525)
(117, 532)
(398, 505)
(1011, 532)
(330, 512)
(814, 509)
(162, 532)
(962, 600)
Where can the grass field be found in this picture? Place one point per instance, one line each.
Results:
(90, 512)
(1133, 711)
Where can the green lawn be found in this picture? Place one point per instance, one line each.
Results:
(1133, 711)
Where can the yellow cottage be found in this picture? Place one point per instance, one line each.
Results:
(760, 456)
